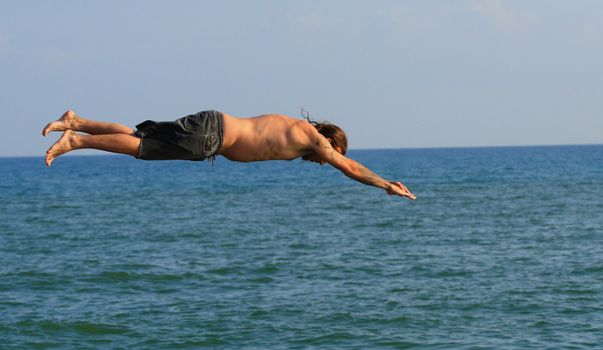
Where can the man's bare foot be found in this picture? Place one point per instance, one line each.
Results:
(67, 121)
(63, 145)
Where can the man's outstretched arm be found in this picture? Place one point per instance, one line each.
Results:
(357, 171)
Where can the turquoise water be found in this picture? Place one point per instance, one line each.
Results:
(502, 249)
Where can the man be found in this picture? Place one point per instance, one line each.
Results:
(209, 133)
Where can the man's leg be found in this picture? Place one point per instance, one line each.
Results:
(115, 143)
(70, 120)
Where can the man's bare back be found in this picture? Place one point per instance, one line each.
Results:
(265, 137)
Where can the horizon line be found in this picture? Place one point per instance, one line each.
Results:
(370, 149)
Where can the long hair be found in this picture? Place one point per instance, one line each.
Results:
(332, 132)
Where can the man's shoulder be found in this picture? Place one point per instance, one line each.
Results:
(293, 124)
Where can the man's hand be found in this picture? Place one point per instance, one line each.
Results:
(396, 188)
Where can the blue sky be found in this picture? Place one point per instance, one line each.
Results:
(391, 73)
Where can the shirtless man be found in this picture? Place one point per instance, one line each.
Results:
(210, 133)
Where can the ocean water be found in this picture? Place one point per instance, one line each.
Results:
(503, 249)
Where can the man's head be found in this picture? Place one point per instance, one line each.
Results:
(336, 136)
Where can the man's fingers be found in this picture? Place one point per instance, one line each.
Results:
(402, 186)
(400, 190)
(408, 194)
(411, 196)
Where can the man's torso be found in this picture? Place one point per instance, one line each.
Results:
(265, 137)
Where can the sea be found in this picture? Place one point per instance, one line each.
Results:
(503, 249)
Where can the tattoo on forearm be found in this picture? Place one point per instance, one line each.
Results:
(368, 177)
